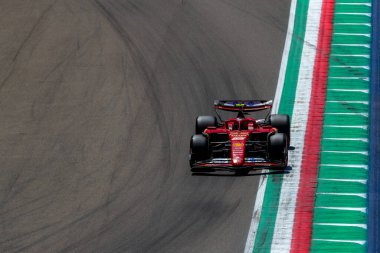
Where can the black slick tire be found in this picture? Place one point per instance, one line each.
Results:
(199, 148)
(202, 122)
(278, 148)
(282, 123)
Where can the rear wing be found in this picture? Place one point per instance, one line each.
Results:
(243, 105)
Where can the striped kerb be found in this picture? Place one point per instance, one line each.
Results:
(301, 236)
(321, 204)
(264, 233)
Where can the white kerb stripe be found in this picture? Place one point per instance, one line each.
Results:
(263, 179)
(282, 234)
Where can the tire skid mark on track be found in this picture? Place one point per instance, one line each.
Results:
(87, 142)
(24, 43)
(138, 58)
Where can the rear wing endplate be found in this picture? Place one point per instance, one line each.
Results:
(242, 105)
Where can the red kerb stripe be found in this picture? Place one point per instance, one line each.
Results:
(301, 238)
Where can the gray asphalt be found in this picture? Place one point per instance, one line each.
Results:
(97, 106)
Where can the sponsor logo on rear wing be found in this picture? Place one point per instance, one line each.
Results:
(242, 105)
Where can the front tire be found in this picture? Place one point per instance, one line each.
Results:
(278, 148)
(199, 148)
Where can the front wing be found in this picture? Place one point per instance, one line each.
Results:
(225, 164)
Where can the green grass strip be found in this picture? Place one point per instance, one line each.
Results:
(339, 220)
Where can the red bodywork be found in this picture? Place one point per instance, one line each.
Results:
(239, 131)
(239, 143)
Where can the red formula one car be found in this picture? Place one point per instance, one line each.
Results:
(240, 144)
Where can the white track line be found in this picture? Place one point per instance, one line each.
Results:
(365, 153)
(285, 56)
(354, 13)
(348, 102)
(347, 126)
(354, 209)
(352, 55)
(354, 34)
(360, 195)
(360, 24)
(351, 45)
(361, 242)
(346, 139)
(350, 90)
(365, 4)
(282, 235)
(276, 102)
(364, 226)
(349, 67)
(343, 166)
(360, 181)
(363, 114)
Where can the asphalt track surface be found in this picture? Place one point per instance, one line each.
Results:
(97, 105)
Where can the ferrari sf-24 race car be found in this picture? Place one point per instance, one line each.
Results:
(240, 144)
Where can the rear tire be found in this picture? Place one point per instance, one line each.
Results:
(282, 123)
(202, 122)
